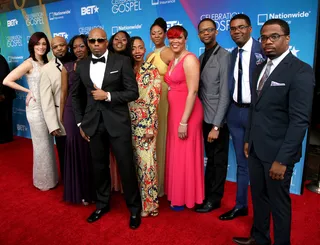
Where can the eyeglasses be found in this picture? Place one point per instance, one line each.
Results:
(240, 28)
(209, 30)
(273, 37)
(94, 40)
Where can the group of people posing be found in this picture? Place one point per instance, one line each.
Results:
(121, 121)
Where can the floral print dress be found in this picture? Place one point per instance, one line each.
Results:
(144, 120)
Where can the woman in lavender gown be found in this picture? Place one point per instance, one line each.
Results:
(78, 184)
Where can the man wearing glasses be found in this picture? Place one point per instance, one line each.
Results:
(244, 59)
(214, 95)
(278, 119)
(104, 121)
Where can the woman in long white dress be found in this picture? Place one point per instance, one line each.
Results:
(45, 173)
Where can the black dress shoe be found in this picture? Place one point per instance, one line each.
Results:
(97, 214)
(207, 207)
(235, 212)
(135, 221)
(244, 240)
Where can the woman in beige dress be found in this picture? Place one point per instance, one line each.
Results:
(45, 172)
(160, 58)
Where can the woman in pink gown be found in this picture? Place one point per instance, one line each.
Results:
(184, 183)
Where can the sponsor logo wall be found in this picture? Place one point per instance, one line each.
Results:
(68, 18)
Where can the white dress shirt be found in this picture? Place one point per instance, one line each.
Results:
(97, 70)
(246, 54)
(275, 63)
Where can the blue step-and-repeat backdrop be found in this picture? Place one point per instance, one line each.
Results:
(67, 18)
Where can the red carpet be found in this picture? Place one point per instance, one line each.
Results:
(29, 216)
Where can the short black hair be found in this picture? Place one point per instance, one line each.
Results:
(208, 19)
(160, 22)
(242, 17)
(282, 23)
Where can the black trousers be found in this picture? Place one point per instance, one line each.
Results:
(122, 148)
(6, 134)
(269, 197)
(217, 164)
(61, 147)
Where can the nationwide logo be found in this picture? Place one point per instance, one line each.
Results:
(87, 29)
(21, 127)
(14, 59)
(14, 41)
(285, 16)
(34, 19)
(128, 29)
(13, 22)
(61, 34)
(294, 51)
(173, 23)
(201, 50)
(125, 6)
(21, 95)
(158, 2)
(59, 15)
(222, 20)
(18, 111)
(229, 49)
(89, 10)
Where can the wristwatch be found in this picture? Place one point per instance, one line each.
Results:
(216, 128)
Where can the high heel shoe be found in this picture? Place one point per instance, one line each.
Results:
(84, 202)
(154, 213)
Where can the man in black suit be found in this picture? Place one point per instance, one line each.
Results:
(6, 97)
(278, 119)
(109, 83)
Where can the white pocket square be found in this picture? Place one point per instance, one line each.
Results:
(275, 84)
(111, 72)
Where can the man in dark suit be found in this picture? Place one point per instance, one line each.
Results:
(6, 97)
(214, 95)
(109, 83)
(278, 119)
(244, 59)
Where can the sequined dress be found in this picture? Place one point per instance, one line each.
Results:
(45, 172)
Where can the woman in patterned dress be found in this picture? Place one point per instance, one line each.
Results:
(145, 127)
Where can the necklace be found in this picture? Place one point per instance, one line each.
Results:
(176, 60)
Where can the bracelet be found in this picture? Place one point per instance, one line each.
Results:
(183, 124)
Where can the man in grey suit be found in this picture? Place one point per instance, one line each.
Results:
(214, 94)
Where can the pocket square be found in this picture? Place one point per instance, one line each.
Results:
(111, 72)
(276, 84)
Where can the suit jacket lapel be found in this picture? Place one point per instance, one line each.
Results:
(58, 64)
(281, 66)
(109, 65)
(232, 66)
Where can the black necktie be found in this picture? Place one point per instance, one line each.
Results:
(102, 59)
(240, 77)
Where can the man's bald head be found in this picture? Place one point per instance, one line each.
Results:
(97, 41)
(59, 46)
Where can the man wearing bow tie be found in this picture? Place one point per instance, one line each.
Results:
(50, 88)
(110, 84)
